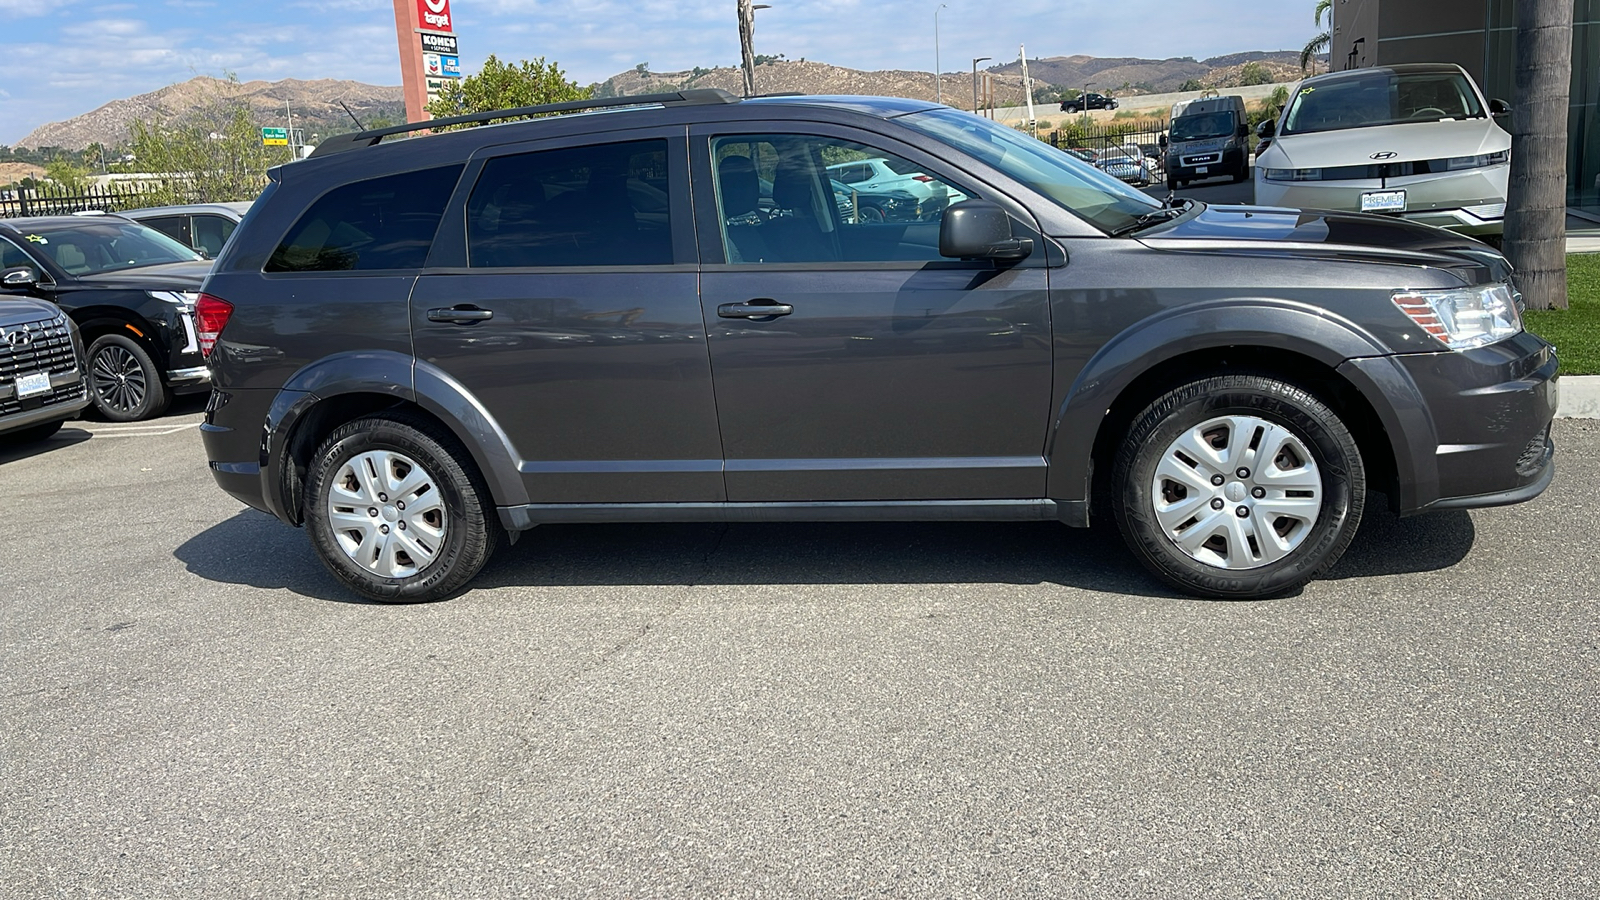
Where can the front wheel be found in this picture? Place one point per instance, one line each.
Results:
(124, 382)
(397, 511)
(1239, 487)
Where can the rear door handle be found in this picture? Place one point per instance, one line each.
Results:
(460, 315)
(754, 309)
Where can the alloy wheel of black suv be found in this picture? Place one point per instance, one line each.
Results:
(676, 312)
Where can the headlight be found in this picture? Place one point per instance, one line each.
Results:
(1466, 318)
(1478, 162)
(1292, 174)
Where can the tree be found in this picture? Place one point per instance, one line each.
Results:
(1193, 84)
(1536, 208)
(501, 86)
(211, 155)
(68, 176)
(1319, 44)
(1254, 73)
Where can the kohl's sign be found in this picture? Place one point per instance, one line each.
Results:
(434, 14)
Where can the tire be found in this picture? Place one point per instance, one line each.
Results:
(33, 433)
(369, 540)
(125, 384)
(1243, 173)
(1165, 490)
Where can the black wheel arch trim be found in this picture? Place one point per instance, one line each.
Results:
(1270, 323)
(388, 374)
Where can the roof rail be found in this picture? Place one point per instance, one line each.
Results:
(698, 97)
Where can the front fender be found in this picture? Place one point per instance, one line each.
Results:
(1284, 325)
(391, 374)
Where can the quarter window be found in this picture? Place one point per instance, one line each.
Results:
(381, 223)
(805, 198)
(604, 205)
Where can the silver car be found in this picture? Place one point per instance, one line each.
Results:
(1418, 141)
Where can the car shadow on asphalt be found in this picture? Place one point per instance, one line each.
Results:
(254, 549)
(11, 451)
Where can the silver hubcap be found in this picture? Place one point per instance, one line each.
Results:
(387, 513)
(1237, 492)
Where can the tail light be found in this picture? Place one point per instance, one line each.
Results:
(923, 178)
(212, 315)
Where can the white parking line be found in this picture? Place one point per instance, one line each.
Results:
(136, 429)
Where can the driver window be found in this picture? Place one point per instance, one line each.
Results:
(805, 198)
(11, 256)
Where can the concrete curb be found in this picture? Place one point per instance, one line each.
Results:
(1580, 397)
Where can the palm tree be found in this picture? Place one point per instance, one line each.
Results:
(1318, 44)
(1536, 211)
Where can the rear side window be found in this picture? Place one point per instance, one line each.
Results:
(175, 227)
(604, 205)
(381, 223)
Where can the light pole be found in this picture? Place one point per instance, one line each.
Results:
(747, 39)
(938, 86)
(975, 61)
(1083, 100)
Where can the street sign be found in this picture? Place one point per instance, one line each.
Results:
(275, 137)
(439, 43)
(434, 14)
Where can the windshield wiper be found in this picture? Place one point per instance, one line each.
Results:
(1155, 217)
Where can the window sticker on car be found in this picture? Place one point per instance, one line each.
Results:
(38, 239)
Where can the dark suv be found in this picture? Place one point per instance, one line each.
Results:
(131, 291)
(423, 344)
(41, 370)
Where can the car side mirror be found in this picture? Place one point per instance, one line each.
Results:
(1163, 141)
(21, 278)
(1243, 130)
(1499, 108)
(1267, 130)
(979, 229)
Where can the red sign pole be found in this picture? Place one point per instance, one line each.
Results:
(407, 19)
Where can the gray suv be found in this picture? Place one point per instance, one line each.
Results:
(663, 313)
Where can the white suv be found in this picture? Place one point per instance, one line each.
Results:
(878, 174)
(1417, 141)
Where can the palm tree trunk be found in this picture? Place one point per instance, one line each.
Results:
(1536, 210)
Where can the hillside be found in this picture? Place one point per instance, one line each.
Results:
(313, 102)
(801, 77)
(1154, 76)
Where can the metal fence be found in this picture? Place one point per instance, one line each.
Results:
(54, 200)
(1094, 136)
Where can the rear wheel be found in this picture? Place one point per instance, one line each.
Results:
(397, 511)
(124, 382)
(1243, 173)
(1239, 487)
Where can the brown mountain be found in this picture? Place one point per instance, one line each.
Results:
(314, 104)
(1155, 76)
(802, 77)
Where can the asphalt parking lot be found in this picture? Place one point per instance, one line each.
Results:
(192, 708)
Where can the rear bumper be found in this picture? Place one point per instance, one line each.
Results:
(1490, 410)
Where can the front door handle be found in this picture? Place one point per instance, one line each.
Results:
(460, 315)
(761, 308)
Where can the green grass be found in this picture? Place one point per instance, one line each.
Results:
(1576, 330)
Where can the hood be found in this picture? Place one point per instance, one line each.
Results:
(178, 276)
(17, 310)
(1408, 142)
(1257, 230)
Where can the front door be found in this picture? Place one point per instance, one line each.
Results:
(882, 371)
(572, 313)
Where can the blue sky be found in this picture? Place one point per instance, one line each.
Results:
(67, 57)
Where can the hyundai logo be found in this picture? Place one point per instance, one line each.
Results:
(17, 339)
(1387, 154)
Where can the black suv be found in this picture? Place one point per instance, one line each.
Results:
(41, 370)
(423, 344)
(131, 291)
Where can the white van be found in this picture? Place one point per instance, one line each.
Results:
(1417, 141)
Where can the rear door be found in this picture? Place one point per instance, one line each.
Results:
(884, 372)
(563, 295)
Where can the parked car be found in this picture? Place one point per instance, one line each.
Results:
(1208, 137)
(1126, 164)
(421, 346)
(41, 369)
(879, 175)
(130, 289)
(203, 226)
(1417, 141)
(1088, 101)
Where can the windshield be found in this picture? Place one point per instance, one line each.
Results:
(1381, 97)
(1068, 181)
(1203, 126)
(105, 245)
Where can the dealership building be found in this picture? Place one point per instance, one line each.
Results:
(1480, 36)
